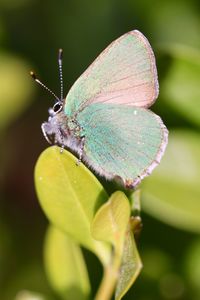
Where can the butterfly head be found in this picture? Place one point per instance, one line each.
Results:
(58, 106)
(53, 130)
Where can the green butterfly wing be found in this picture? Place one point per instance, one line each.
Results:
(124, 73)
(122, 141)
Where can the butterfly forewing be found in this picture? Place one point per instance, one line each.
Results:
(124, 73)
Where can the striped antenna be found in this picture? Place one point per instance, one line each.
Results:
(43, 85)
(60, 60)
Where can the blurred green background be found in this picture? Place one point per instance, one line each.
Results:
(31, 31)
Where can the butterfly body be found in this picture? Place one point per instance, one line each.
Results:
(65, 131)
(105, 117)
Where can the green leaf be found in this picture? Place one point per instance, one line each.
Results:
(16, 88)
(70, 195)
(27, 295)
(135, 199)
(110, 224)
(181, 85)
(172, 192)
(65, 266)
(164, 263)
(131, 264)
(111, 220)
(130, 267)
(192, 264)
(181, 15)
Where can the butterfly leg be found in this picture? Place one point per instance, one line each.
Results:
(62, 148)
(81, 151)
(44, 131)
(61, 140)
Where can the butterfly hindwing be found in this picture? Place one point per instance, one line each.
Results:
(124, 73)
(122, 141)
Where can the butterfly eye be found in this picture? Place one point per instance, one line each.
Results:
(57, 107)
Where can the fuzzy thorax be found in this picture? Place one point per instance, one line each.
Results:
(61, 130)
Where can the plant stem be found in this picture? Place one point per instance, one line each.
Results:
(110, 277)
(107, 285)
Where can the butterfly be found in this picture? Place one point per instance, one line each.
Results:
(105, 118)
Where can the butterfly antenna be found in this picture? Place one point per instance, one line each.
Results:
(43, 85)
(60, 60)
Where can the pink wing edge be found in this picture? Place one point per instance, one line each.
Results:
(148, 47)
